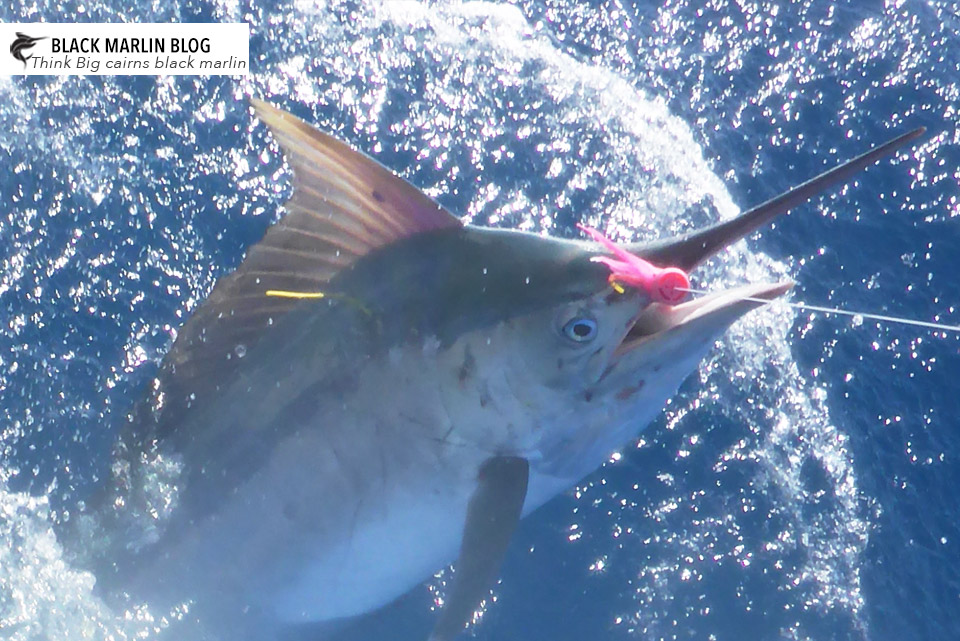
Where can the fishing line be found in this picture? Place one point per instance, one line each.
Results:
(845, 312)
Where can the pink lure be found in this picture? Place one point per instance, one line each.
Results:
(665, 285)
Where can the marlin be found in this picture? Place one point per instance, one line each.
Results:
(23, 41)
(380, 390)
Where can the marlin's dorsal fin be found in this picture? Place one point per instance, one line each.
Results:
(344, 206)
(492, 516)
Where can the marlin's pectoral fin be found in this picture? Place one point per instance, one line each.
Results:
(492, 516)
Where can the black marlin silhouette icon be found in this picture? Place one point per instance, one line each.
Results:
(22, 42)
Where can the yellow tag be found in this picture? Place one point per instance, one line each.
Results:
(617, 287)
(279, 293)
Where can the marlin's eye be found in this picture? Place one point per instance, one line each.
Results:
(581, 330)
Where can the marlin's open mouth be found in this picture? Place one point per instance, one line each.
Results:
(726, 306)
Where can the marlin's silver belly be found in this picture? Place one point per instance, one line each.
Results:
(357, 503)
(323, 531)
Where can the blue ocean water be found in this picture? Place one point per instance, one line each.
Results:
(802, 485)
